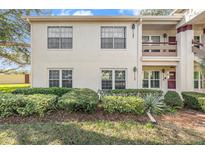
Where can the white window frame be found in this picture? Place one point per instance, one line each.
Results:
(150, 40)
(113, 48)
(58, 26)
(149, 79)
(60, 75)
(113, 76)
(200, 80)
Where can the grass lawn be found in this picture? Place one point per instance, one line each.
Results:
(12, 87)
(96, 131)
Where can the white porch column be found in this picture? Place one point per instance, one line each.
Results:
(139, 55)
(185, 67)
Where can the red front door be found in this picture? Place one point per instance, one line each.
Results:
(172, 80)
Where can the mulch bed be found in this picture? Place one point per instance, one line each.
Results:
(186, 118)
(63, 116)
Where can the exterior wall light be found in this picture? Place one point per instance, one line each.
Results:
(134, 70)
(133, 28)
(165, 36)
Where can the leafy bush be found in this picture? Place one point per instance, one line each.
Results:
(173, 99)
(54, 91)
(154, 104)
(194, 100)
(132, 92)
(122, 104)
(8, 88)
(11, 104)
(83, 100)
(37, 104)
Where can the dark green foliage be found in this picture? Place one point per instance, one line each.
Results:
(123, 104)
(194, 100)
(37, 104)
(173, 99)
(132, 92)
(11, 104)
(82, 100)
(54, 91)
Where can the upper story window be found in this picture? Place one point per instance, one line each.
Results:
(113, 37)
(60, 37)
(151, 40)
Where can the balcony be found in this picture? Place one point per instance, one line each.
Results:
(159, 49)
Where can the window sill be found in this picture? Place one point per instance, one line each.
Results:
(59, 49)
(114, 49)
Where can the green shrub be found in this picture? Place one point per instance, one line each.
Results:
(153, 104)
(122, 104)
(54, 91)
(83, 100)
(194, 100)
(132, 92)
(173, 99)
(11, 104)
(202, 103)
(37, 104)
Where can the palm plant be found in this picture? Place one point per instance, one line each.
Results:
(154, 105)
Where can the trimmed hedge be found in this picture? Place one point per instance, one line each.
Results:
(53, 91)
(37, 104)
(194, 100)
(11, 104)
(173, 99)
(132, 92)
(122, 104)
(82, 100)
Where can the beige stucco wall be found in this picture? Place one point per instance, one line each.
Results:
(12, 78)
(86, 58)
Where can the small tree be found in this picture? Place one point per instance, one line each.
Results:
(154, 105)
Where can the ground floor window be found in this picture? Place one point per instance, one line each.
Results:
(199, 80)
(60, 78)
(113, 79)
(151, 79)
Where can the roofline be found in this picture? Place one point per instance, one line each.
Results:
(177, 11)
(31, 19)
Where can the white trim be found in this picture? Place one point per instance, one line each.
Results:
(111, 49)
(150, 40)
(60, 75)
(113, 76)
(59, 49)
(149, 79)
